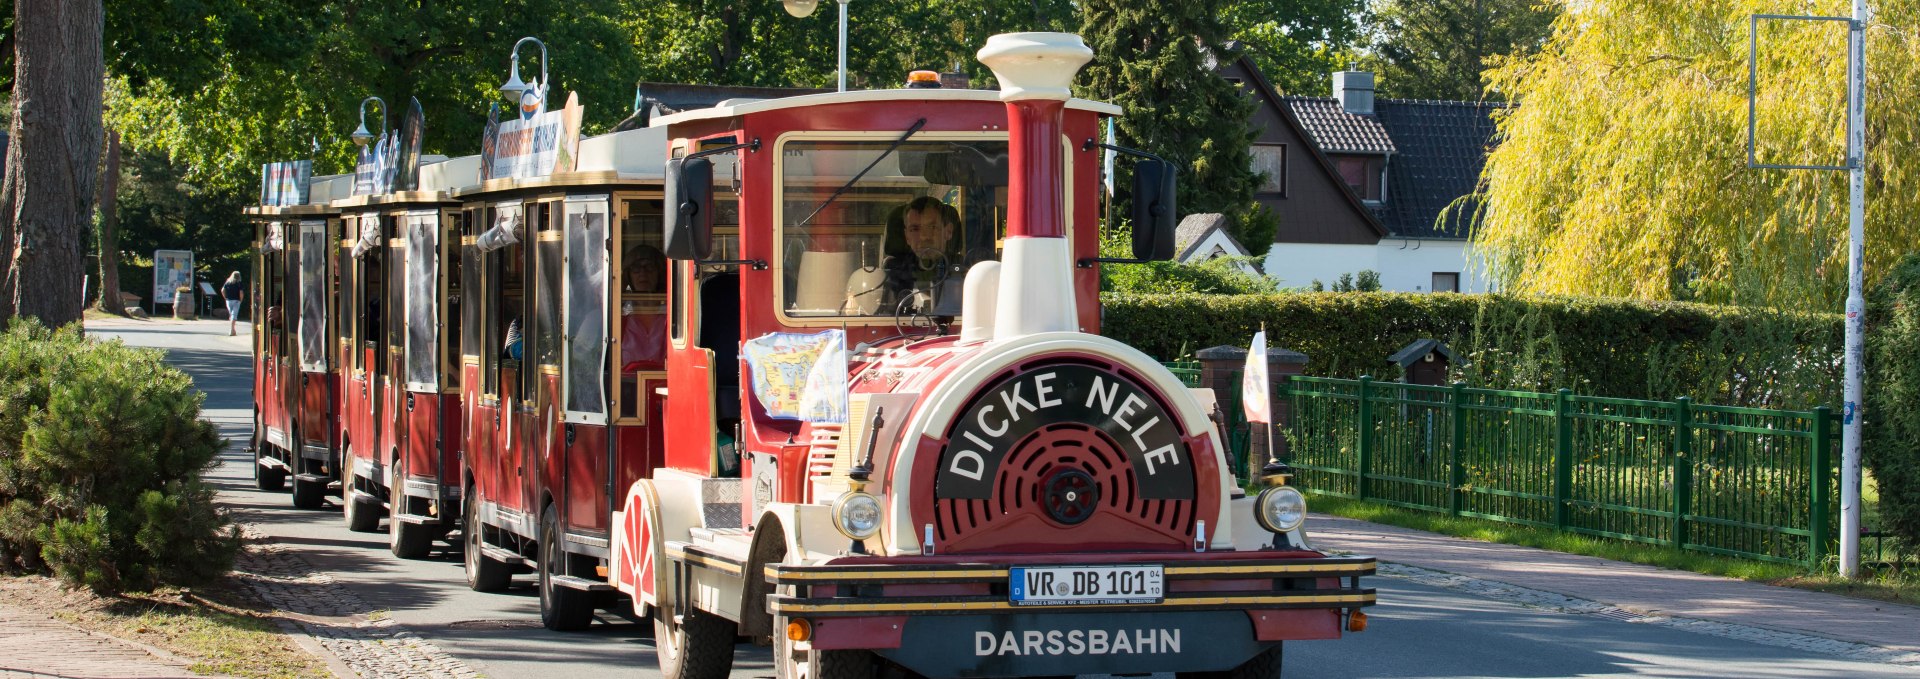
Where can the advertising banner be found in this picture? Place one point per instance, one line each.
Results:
(374, 173)
(171, 270)
(537, 145)
(407, 174)
(285, 183)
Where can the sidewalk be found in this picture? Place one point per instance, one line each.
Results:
(34, 645)
(1634, 587)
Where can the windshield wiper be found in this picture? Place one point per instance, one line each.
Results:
(856, 178)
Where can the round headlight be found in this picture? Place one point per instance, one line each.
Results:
(1281, 509)
(857, 515)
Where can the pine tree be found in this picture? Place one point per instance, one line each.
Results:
(1157, 62)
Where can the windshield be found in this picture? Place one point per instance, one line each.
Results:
(899, 240)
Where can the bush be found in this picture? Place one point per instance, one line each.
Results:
(1218, 276)
(1603, 347)
(1890, 441)
(102, 451)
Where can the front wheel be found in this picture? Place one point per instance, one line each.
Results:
(359, 509)
(484, 574)
(1263, 666)
(700, 646)
(561, 608)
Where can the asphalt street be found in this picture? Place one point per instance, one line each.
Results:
(1416, 631)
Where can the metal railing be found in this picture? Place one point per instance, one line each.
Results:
(1745, 482)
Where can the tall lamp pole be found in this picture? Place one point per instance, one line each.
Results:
(1855, 351)
(804, 8)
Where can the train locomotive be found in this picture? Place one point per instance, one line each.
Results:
(1009, 493)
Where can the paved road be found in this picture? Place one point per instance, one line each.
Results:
(1417, 631)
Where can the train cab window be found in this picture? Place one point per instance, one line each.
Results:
(643, 313)
(896, 240)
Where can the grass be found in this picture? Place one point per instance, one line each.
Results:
(1893, 586)
(218, 630)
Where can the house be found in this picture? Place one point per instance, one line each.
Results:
(1363, 184)
(1203, 237)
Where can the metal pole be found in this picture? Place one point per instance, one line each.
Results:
(1856, 301)
(843, 45)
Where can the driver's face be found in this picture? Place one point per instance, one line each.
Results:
(926, 231)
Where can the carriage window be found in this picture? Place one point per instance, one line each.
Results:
(897, 240)
(643, 317)
(313, 296)
(453, 316)
(395, 302)
(546, 294)
(586, 321)
(343, 304)
(422, 279)
(469, 295)
(501, 347)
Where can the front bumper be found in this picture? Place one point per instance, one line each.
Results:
(950, 616)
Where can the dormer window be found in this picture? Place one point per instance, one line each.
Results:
(1366, 175)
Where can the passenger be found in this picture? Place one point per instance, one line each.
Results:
(643, 336)
(645, 270)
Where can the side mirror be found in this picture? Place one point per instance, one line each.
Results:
(689, 208)
(1153, 210)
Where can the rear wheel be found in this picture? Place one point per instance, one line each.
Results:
(483, 573)
(699, 646)
(561, 608)
(1263, 666)
(407, 540)
(359, 509)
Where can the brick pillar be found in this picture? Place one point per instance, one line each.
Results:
(1220, 369)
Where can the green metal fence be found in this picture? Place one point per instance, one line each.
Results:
(1746, 482)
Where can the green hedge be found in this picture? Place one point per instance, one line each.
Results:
(102, 453)
(1891, 427)
(1600, 347)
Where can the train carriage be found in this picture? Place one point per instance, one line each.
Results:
(562, 363)
(995, 489)
(292, 305)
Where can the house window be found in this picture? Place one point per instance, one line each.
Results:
(1270, 160)
(1446, 281)
(1366, 175)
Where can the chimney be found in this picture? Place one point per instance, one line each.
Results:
(1035, 71)
(1354, 89)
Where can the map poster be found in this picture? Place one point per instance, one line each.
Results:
(171, 270)
(799, 376)
(543, 144)
(285, 183)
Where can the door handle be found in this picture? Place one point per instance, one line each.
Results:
(569, 435)
(409, 401)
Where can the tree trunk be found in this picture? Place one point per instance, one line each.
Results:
(46, 198)
(110, 229)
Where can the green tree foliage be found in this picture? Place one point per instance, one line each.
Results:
(1297, 43)
(1602, 347)
(102, 452)
(1622, 171)
(1437, 49)
(1891, 428)
(1157, 62)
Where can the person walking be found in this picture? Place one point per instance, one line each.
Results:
(234, 291)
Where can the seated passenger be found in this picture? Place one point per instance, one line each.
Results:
(643, 325)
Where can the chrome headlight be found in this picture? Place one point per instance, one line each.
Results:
(1281, 509)
(857, 515)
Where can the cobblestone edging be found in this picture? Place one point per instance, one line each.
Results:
(1533, 598)
(338, 619)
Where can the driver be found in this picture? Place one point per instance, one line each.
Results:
(921, 244)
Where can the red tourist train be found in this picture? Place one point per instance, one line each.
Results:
(821, 371)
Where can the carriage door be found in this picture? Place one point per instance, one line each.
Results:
(312, 333)
(421, 306)
(584, 373)
(292, 301)
(393, 362)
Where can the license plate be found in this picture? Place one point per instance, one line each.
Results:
(1084, 585)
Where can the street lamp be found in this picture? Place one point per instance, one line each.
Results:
(803, 8)
(361, 136)
(514, 87)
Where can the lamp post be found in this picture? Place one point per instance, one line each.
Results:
(360, 135)
(514, 86)
(803, 8)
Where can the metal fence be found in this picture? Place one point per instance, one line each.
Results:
(1746, 482)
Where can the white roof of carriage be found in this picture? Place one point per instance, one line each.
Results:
(859, 96)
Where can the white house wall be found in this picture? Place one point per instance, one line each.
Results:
(1405, 265)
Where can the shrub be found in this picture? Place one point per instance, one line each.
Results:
(1219, 276)
(1604, 347)
(102, 451)
(1890, 442)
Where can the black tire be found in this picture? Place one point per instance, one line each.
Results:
(361, 511)
(266, 477)
(562, 609)
(407, 540)
(819, 664)
(1267, 665)
(308, 494)
(700, 647)
(483, 574)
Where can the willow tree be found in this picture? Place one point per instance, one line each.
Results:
(1622, 169)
